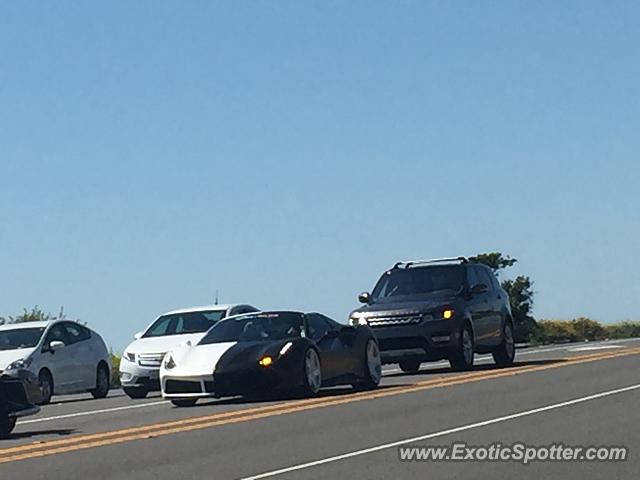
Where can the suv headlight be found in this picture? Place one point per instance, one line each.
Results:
(355, 321)
(18, 364)
(169, 362)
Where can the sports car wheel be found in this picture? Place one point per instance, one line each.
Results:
(6, 425)
(186, 402)
(372, 367)
(312, 372)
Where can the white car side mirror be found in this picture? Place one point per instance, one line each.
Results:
(138, 336)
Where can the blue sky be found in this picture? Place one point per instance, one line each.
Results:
(286, 153)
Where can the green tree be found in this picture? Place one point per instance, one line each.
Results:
(36, 314)
(520, 292)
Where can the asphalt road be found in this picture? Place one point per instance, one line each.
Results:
(580, 395)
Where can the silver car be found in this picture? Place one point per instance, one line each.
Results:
(66, 356)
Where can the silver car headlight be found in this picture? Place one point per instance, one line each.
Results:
(18, 364)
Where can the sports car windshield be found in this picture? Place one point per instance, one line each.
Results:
(256, 328)
(20, 338)
(182, 323)
(411, 282)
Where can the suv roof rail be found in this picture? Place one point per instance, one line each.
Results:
(408, 263)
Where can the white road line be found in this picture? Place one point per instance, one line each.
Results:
(595, 347)
(442, 433)
(91, 412)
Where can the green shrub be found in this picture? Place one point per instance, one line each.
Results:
(581, 329)
(115, 370)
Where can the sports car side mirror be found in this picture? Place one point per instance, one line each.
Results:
(364, 297)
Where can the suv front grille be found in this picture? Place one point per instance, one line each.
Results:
(394, 320)
(150, 359)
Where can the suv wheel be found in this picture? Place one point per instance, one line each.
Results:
(409, 366)
(506, 352)
(462, 357)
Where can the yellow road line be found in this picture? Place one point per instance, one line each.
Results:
(40, 449)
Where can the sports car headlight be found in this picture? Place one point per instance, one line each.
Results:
(18, 364)
(266, 361)
(169, 363)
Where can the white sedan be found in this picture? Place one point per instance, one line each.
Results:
(66, 356)
(140, 364)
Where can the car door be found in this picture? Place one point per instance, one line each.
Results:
(479, 306)
(328, 340)
(494, 325)
(60, 362)
(494, 321)
(84, 363)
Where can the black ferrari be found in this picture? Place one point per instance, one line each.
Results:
(268, 352)
(19, 395)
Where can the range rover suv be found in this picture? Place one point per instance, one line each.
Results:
(429, 310)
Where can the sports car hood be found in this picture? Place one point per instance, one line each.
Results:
(219, 357)
(9, 356)
(163, 344)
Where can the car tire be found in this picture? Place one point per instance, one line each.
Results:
(135, 392)
(46, 386)
(372, 367)
(7, 424)
(461, 358)
(410, 366)
(184, 402)
(311, 373)
(506, 352)
(102, 382)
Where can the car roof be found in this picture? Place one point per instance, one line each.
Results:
(203, 308)
(14, 326)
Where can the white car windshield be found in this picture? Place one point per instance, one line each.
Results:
(20, 338)
(183, 323)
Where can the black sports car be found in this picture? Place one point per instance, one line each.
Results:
(19, 395)
(268, 352)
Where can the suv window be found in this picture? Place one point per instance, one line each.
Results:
(472, 276)
(484, 277)
(416, 281)
(76, 333)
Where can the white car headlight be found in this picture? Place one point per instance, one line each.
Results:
(22, 363)
(129, 356)
(168, 362)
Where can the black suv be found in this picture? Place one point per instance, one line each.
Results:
(428, 310)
